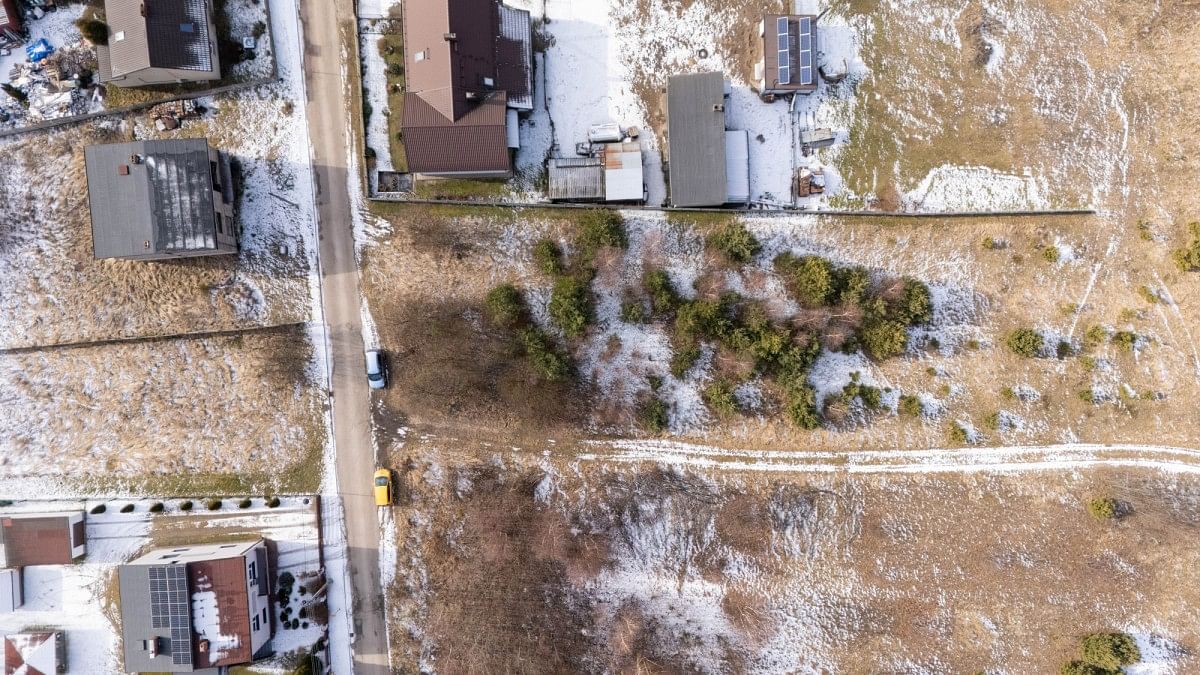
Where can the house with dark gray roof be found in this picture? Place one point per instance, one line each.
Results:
(158, 42)
(196, 609)
(696, 139)
(157, 200)
(468, 77)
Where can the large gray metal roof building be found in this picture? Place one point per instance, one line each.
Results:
(696, 139)
(160, 199)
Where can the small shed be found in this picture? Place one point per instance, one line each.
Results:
(11, 591)
(41, 538)
(623, 172)
(43, 652)
(576, 179)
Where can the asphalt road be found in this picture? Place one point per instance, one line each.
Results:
(328, 127)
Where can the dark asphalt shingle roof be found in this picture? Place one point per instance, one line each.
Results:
(696, 139)
(165, 199)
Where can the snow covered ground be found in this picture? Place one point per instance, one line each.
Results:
(79, 598)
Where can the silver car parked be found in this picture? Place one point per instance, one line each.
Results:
(377, 370)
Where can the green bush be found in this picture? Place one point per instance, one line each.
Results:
(548, 257)
(545, 359)
(850, 285)
(185, 505)
(910, 406)
(1110, 650)
(810, 278)
(663, 297)
(871, 397)
(703, 318)
(245, 504)
(1085, 668)
(1148, 294)
(259, 30)
(1103, 508)
(791, 370)
(93, 30)
(505, 306)
(569, 306)
(1063, 349)
(600, 228)
(683, 359)
(915, 305)
(883, 339)
(1125, 340)
(734, 241)
(633, 312)
(719, 398)
(213, 504)
(1187, 259)
(1095, 336)
(128, 508)
(157, 507)
(992, 421)
(1025, 342)
(959, 434)
(800, 406)
(654, 416)
(273, 503)
(1050, 254)
(1088, 396)
(98, 509)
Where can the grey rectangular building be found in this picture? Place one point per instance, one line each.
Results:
(696, 139)
(158, 42)
(156, 200)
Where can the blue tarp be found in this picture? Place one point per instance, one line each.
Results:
(38, 50)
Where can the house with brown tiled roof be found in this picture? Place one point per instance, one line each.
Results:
(158, 42)
(468, 76)
(41, 538)
(35, 653)
(196, 609)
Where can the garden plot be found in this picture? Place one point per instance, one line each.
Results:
(58, 294)
(233, 411)
(82, 599)
(723, 570)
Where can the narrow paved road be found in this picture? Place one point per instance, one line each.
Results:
(328, 127)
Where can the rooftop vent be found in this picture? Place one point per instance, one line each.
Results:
(135, 159)
(122, 169)
(718, 107)
(450, 37)
(472, 96)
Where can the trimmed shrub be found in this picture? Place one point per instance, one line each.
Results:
(683, 359)
(734, 241)
(505, 306)
(1103, 508)
(810, 278)
(654, 416)
(600, 228)
(543, 356)
(212, 504)
(273, 502)
(663, 297)
(719, 398)
(800, 406)
(1050, 254)
(185, 505)
(128, 508)
(93, 30)
(1024, 342)
(244, 504)
(98, 509)
(1063, 349)
(548, 257)
(1110, 650)
(569, 306)
(910, 406)
(883, 339)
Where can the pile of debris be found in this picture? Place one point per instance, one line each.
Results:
(59, 84)
(809, 182)
(171, 115)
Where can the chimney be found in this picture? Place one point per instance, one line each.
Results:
(202, 646)
(450, 37)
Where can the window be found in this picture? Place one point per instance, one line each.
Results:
(254, 623)
(253, 572)
(220, 224)
(264, 616)
(187, 28)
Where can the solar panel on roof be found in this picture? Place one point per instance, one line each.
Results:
(785, 68)
(169, 609)
(806, 51)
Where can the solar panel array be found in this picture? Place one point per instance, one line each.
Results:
(785, 61)
(169, 609)
(806, 50)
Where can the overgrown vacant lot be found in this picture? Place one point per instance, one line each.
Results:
(508, 564)
(1117, 359)
(56, 293)
(230, 413)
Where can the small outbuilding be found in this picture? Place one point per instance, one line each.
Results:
(788, 58)
(157, 200)
(35, 653)
(613, 173)
(41, 538)
(12, 593)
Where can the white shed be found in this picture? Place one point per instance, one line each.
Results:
(737, 166)
(11, 596)
(623, 172)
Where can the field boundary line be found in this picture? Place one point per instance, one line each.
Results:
(162, 337)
